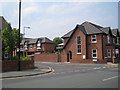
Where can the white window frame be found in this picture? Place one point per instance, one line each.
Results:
(108, 53)
(94, 53)
(113, 40)
(79, 45)
(39, 44)
(30, 46)
(26, 46)
(117, 40)
(94, 38)
(108, 38)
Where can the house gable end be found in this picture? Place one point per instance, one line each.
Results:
(77, 26)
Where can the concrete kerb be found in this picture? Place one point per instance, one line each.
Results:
(50, 70)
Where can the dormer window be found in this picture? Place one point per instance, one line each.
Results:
(39, 44)
(26, 46)
(114, 40)
(108, 39)
(93, 39)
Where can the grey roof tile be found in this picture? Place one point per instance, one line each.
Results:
(114, 32)
(34, 40)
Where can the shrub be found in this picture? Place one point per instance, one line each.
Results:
(25, 58)
(15, 58)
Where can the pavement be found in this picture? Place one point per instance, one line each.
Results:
(39, 70)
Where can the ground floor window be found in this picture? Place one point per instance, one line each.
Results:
(94, 53)
(109, 53)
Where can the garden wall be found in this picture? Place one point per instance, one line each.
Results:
(55, 57)
(12, 65)
(46, 57)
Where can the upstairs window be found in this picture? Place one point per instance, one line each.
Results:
(117, 40)
(39, 44)
(31, 46)
(108, 39)
(114, 40)
(26, 46)
(93, 39)
(109, 53)
(78, 45)
(94, 53)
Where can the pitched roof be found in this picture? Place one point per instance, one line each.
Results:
(34, 40)
(68, 34)
(89, 28)
(105, 30)
(114, 32)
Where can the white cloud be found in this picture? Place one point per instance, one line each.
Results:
(29, 10)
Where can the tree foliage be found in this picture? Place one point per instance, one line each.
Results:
(10, 38)
(57, 40)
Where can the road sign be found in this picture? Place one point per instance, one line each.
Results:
(95, 60)
(117, 51)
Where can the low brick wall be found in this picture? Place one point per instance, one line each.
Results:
(12, 65)
(90, 61)
(45, 57)
(55, 57)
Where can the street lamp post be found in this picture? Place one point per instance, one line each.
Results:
(19, 33)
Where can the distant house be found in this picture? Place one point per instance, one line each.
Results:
(2, 27)
(89, 41)
(30, 46)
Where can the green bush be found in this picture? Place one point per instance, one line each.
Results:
(15, 58)
(25, 58)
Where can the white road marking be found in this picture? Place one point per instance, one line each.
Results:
(97, 68)
(104, 67)
(111, 78)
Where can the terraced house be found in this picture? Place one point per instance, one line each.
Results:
(30, 46)
(89, 42)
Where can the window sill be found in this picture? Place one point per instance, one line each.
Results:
(93, 42)
(79, 53)
(94, 57)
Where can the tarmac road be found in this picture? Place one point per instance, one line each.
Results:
(69, 75)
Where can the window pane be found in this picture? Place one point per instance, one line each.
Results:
(94, 55)
(94, 51)
(78, 44)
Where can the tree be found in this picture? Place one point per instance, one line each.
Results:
(57, 40)
(10, 38)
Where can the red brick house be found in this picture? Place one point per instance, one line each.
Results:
(89, 42)
(31, 46)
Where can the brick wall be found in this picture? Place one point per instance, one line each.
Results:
(72, 45)
(54, 57)
(9, 65)
(45, 57)
(97, 45)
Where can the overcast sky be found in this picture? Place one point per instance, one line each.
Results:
(54, 19)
